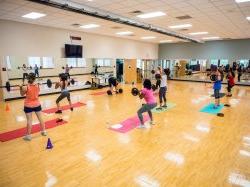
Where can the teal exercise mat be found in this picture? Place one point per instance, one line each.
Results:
(211, 110)
(163, 109)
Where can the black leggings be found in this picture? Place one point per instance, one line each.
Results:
(229, 88)
(25, 75)
(162, 94)
(158, 83)
(63, 95)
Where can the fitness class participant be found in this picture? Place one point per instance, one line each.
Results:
(163, 88)
(67, 69)
(25, 72)
(239, 70)
(113, 83)
(230, 83)
(148, 95)
(96, 70)
(63, 84)
(36, 69)
(32, 104)
(217, 88)
(158, 77)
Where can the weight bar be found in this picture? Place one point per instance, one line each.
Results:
(71, 67)
(48, 83)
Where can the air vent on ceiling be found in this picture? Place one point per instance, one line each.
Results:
(136, 12)
(75, 25)
(183, 30)
(116, 27)
(184, 17)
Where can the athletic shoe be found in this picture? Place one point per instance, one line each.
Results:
(27, 138)
(71, 109)
(141, 127)
(152, 123)
(44, 133)
(58, 112)
(164, 106)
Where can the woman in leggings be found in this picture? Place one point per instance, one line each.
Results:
(63, 84)
(163, 88)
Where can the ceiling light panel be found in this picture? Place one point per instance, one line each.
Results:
(148, 37)
(151, 15)
(180, 26)
(124, 33)
(197, 33)
(89, 26)
(34, 15)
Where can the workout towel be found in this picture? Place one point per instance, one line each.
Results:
(128, 124)
(211, 110)
(11, 135)
(99, 93)
(65, 107)
(169, 106)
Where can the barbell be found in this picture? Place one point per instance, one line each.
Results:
(48, 83)
(109, 92)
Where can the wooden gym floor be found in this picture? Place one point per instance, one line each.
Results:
(184, 148)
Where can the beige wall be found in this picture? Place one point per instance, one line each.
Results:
(21, 39)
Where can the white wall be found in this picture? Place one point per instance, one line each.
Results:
(20, 39)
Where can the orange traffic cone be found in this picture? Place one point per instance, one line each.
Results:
(7, 108)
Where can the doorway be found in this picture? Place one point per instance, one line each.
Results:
(119, 69)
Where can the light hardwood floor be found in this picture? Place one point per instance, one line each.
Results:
(184, 148)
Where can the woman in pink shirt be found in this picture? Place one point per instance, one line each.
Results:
(32, 104)
(148, 95)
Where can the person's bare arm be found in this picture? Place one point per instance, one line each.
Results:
(23, 90)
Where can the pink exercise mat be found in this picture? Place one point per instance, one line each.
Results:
(129, 124)
(65, 107)
(99, 93)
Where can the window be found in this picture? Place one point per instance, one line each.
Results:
(107, 62)
(81, 62)
(214, 62)
(32, 61)
(99, 62)
(8, 63)
(47, 62)
(139, 63)
(103, 62)
(76, 62)
(244, 62)
(223, 62)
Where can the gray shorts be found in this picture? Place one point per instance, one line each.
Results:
(63, 95)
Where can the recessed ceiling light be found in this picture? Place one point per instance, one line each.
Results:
(124, 33)
(197, 33)
(89, 26)
(148, 37)
(211, 38)
(166, 41)
(241, 1)
(151, 15)
(180, 26)
(33, 15)
(248, 18)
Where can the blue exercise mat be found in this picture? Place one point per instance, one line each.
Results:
(211, 110)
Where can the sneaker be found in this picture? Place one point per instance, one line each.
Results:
(152, 123)
(27, 138)
(141, 127)
(71, 109)
(164, 106)
(58, 112)
(44, 133)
